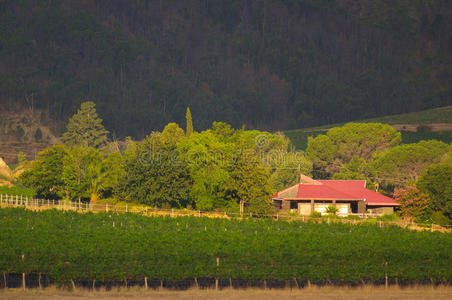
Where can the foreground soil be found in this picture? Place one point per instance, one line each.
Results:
(420, 292)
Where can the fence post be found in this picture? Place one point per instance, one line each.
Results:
(127, 207)
(106, 207)
(386, 274)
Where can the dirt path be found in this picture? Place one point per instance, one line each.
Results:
(416, 293)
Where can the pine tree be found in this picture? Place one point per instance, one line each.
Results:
(85, 128)
(189, 129)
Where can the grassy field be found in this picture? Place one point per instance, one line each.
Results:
(299, 137)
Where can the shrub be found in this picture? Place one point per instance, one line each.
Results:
(331, 209)
(388, 218)
(316, 214)
(439, 218)
(19, 132)
(38, 135)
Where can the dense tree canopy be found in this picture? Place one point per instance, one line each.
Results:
(340, 145)
(403, 164)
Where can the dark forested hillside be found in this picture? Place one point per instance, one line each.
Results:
(269, 64)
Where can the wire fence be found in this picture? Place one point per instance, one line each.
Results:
(42, 281)
(83, 207)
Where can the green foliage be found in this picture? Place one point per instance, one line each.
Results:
(189, 123)
(85, 128)
(388, 218)
(38, 135)
(83, 173)
(299, 137)
(263, 72)
(440, 218)
(21, 158)
(287, 167)
(45, 174)
(340, 145)
(114, 246)
(153, 173)
(413, 202)
(19, 132)
(331, 209)
(17, 190)
(315, 215)
(414, 137)
(436, 181)
(403, 164)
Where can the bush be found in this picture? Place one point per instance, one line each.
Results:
(439, 218)
(38, 135)
(315, 214)
(19, 132)
(331, 209)
(388, 218)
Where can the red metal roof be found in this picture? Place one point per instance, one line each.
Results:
(352, 190)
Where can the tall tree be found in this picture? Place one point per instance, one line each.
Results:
(189, 122)
(85, 128)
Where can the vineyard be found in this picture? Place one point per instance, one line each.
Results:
(71, 248)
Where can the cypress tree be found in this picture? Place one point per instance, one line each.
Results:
(85, 128)
(189, 128)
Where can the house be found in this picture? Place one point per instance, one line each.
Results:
(349, 196)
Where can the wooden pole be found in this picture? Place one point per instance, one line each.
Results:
(386, 274)
(23, 281)
(39, 281)
(216, 279)
(146, 282)
(4, 280)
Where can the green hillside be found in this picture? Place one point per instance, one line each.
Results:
(425, 123)
(272, 65)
